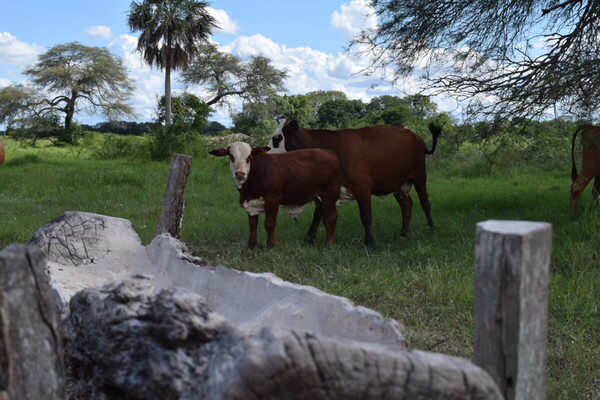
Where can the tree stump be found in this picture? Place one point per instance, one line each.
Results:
(511, 305)
(31, 365)
(171, 216)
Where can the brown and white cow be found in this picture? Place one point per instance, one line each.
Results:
(375, 160)
(293, 180)
(590, 164)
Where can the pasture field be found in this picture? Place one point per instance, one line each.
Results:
(426, 281)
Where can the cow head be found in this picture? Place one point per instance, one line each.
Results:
(240, 157)
(282, 139)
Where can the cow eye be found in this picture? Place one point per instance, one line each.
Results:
(230, 158)
(248, 160)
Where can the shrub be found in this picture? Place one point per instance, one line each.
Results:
(110, 146)
(177, 138)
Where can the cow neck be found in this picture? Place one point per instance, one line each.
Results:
(252, 188)
(316, 138)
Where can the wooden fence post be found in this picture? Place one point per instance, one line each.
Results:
(31, 357)
(171, 216)
(511, 300)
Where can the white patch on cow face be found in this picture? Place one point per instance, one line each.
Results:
(239, 162)
(277, 141)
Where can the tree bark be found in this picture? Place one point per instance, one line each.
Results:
(31, 354)
(171, 216)
(168, 92)
(511, 303)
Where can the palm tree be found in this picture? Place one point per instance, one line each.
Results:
(173, 31)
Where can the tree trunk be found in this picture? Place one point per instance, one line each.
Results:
(70, 111)
(168, 93)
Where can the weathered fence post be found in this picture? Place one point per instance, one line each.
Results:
(171, 215)
(31, 363)
(511, 295)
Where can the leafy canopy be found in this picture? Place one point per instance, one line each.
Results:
(75, 76)
(173, 31)
(503, 57)
(225, 76)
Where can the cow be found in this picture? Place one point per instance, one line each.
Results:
(265, 181)
(590, 164)
(375, 160)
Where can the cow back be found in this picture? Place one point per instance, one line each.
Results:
(297, 177)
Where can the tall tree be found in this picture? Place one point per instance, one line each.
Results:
(226, 76)
(15, 104)
(187, 109)
(173, 31)
(77, 77)
(503, 57)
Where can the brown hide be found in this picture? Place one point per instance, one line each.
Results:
(375, 160)
(292, 179)
(590, 163)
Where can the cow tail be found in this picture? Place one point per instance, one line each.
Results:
(574, 173)
(436, 131)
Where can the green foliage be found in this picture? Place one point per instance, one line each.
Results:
(176, 138)
(109, 146)
(293, 107)
(37, 128)
(340, 113)
(225, 76)
(78, 76)
(16, 105)
(172, 31)
(213, 128)
(186, 109)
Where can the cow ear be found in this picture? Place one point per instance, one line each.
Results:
(222, 152)
(293, 125)
(259, 151)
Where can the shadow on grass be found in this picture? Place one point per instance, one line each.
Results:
(26, 159)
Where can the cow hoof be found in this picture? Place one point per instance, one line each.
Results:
(404, 234)
(369, 242)
(309, 239)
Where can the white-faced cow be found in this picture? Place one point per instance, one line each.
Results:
(266, 181)
(590, 164)
(376, 160)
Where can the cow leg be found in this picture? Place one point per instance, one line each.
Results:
(253, 223)
(329, 219)
(420, 183)
(406, 204)
(363, 198)
(271, 209)
(317, 216)
(577, 189)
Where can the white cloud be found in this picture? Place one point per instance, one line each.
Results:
(15, 52)
(309, 69)
(4, 82)
(100, 31)
(223, 21)
(149, 82)
(354, 17)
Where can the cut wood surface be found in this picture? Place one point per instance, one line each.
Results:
(511, 297)
(171, 217)
(31, 366)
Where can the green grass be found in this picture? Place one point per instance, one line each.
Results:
(426, 282)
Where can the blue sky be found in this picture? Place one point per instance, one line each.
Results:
(307, 38)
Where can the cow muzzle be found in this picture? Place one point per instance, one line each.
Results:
(240, 175)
